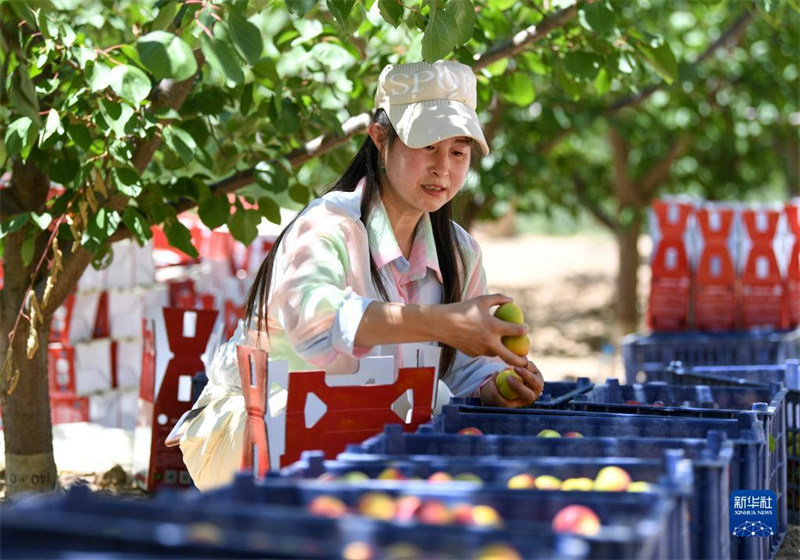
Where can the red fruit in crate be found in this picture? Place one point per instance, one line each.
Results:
(440, 476)
(327, 506)
(470, 431)
(576, 519)
(573, 434)
(406, 508)
(434, 512)
(633, 402)
(462, 514)
(657, 403)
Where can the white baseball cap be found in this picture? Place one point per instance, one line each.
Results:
(427, 103)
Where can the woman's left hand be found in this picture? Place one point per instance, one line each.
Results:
(527, 391)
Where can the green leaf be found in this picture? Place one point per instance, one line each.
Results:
(665, 63)
(246, 37)
(246, 101)
(138, 224)
(214, 210)
(179, 236)
(597, 17)
(602, 82)
(28, 246)
(14, 223)
(243, 225)
(129, 83)
(222, 58)
(341, 10)
(41, 220)
(517, 88)
(166, 56)
(582, 66)
(301, 7)
(567, 83)
(180, 142)
(20, 137)
(166, 14)
(80, 135)
(100, 77)
(64, 169)
(270, 209)
(299, 193)
(463, 13)
(126, 179)
(392, 11)
(265, 69)
(51, 125)
(440, 35)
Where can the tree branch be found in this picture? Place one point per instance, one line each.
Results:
(627, 195)
(168, 94)
(525, 38)
(660, 171)
(601, 215)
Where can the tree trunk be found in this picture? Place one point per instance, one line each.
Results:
(30, 464)
(628, 277)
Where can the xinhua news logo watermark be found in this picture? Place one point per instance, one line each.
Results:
(753, 513)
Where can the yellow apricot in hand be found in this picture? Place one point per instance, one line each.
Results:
(502, 384)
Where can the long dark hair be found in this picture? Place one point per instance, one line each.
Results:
(366, 165)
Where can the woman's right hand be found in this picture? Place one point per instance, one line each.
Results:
(471, 327)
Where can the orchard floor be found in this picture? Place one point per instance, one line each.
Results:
(565, 287)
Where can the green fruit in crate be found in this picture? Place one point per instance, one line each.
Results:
(355, 476)
(548, 434)
(468, 477)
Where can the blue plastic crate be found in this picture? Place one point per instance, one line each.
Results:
(683, 397)
(558, 394)
(763, 376)
(670, 474)
(647, 356)
(711, 460)
(635, 525)
(82, 525)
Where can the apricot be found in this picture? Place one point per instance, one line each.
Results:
(581, 484)
(510, 312)
(548, 482)
(576, 519)
(502, 383)
(612, 479)
(522, 480)
(377, 505)
(470, 431)
(327, 506)
(640, 486)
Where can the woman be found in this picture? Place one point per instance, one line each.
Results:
(374, 263)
